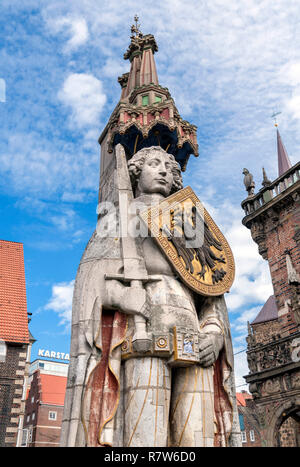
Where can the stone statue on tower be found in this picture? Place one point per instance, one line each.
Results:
(151, 360)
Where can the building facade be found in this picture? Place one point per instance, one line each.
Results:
(44, 404)
(15, 342)
(273, 217)
(249, 421)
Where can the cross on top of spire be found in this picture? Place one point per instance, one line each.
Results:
(135, 28)
(139, 41)
(274, 115)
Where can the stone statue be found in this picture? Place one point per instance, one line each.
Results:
(249, 182)
(128, 391)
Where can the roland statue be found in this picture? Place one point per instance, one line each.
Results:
(151, 362)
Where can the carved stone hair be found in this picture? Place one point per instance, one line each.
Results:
(135, 165)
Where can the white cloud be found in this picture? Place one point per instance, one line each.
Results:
(240, 323)
(114, 67)
(61, 301)
(64, 220)
(239, 329)
(252, 283)
(37, 168)
(73, 197)
(2, 90)
(84, 94)
(290, 73)
(76, 28)
(240, 369)
(220, 61)
(293, 105)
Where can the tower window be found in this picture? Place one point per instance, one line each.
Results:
(24, 437)
(52, 415)
(145, 100)
(158, 98)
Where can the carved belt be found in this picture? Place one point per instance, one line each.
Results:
(180, 346)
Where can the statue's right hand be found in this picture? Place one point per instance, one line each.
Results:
(130, 300)
(134, 300)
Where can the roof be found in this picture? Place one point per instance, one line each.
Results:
(52, 389)
(241, 398)
(13, 305)
(268, 312)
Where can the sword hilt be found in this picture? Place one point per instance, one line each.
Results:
(141, 340)
(124, 278)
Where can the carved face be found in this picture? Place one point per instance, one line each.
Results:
(156, 175)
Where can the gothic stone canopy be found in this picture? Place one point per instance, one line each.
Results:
(146, 114)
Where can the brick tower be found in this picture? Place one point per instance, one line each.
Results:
(273, 353)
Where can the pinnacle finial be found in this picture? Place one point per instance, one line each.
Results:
(266, 181)
(135, 28)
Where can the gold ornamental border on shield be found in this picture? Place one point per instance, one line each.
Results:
(151, 217)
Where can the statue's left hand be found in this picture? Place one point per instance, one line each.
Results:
(209, 348)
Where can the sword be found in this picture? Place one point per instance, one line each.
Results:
(135, 272)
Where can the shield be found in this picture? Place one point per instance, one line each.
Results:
(192, 242)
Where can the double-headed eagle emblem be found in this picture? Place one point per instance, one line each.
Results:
(192, 242)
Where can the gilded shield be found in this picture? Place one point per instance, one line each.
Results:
(192, 242)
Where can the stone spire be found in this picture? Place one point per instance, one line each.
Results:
(266, 181)
(146, 114)
(140, 53)
(284, 162)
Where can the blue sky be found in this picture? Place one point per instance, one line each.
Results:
(228, 65)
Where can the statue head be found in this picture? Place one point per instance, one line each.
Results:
(153, 170)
